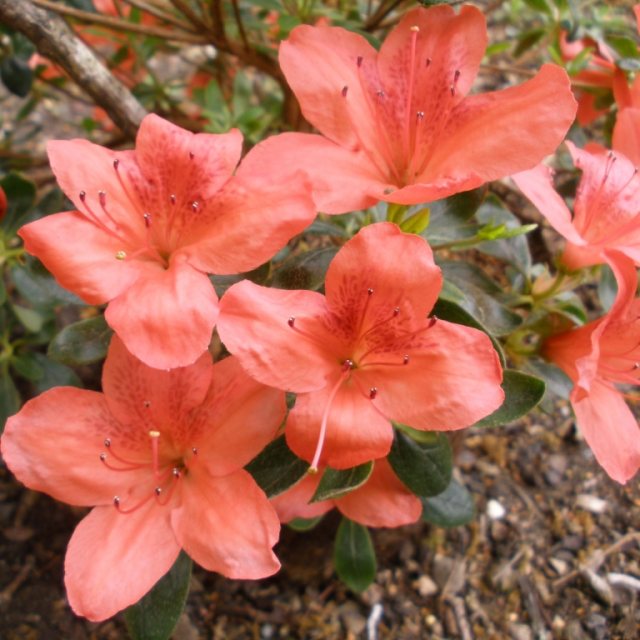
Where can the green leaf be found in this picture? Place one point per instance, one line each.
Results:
(556, 380)
(422, 460)
(54, 374)
(607, 287)
(30, 319)
(354, 556)
(258, 275)
(81, 343)
(36, 285)
(276, 468)
(26, 365)
(452, 508)
(16, 76)
(528, 39)
(625, 47)
(522, 393)
(156, 615)
(450, 219)
(629, 64)
(539, 5)
(304, 524)
(338, 482)
(481, 297)
(9, 397)
(447, 309)
(305, 271)
(21, 195)
(417, 222)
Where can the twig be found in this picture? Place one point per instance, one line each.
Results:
(457, 606)
(54, 39)
(238, 17)
(118, 24)
(160, 13)
(380, 14)
(191, 15)
(7, 593)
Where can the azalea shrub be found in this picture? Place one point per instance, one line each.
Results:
(274, 294)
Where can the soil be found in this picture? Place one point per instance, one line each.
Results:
(554, 552)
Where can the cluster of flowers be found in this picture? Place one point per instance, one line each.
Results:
(160, 453)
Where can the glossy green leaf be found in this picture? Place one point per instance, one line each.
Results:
(450, 219)
(9, 397)
(422, 460)
(26, 366)
(354, 556)
(29, 318)
(452, 508)
(54, 374)
(522, 393)
(304, 524)
(447, 309)
(81, 343)
(21, 195)
(607, 287)
(526, 40)
(258, 275)
(338, 482)
(557, 382)
(156, 615)
(16, 76)
(305, 271)
(276, 468)
(36, 285)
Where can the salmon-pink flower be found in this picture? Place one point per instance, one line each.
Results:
(606, 208)
(383, 501)
(160, 456)
(366, 353)
(150, 225)
(597, 357)
(398, 124)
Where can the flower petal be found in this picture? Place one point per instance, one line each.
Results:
(88, 267)
(114, 559)
(253, 325)
(355, 434)
(294, 502)
(610, 429)
(166, 319)
(227, 525)
(156, 399)
(626, 134)
(54, 443)
(251, 219)
(238, 418)
(342, 179)
(534, 118)
(450, 383)
(383, 501)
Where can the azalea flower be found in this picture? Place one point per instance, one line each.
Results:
(383, 501)
(398, 124)
(605, 212)
(366, 353)
(151, 223)
(598, 357)
(160, 456)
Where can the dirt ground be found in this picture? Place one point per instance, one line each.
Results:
(554, 552)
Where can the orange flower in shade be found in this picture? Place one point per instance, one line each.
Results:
(398, 124)
(151, 223)
(160, 456)
(606, 208)
(598, 357)
(366, 353)
(383, 501)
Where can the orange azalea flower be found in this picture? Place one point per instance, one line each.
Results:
(605, 212)
(366, 353)
(383, 501)
(160, 456)
(151, 223)
(597, 357)
(398, 124)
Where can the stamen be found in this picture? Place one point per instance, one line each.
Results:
(344, 91)
(408, 146)
(172, 198)
(94, 218)
(191, 155)
(195, 206)
(363, 315)
(394, 314)
(147, 220)
(102, 198)
(359, 61)
(427, 63)
(121, 255)
(373, 392)
(292, 323)
(117, 501)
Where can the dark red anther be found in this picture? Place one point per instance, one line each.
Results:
(406, 359)
(359, 61)
(432, 321)
(344, 91)
(291, 321)
(194, 450)
(116, 162)
(348, 364)
(456, 76)
(176, 472)
(107, 442)
(195, 205)
(370, 291)
(103, 457)
(172, 198)
(453, 90)
(82, 195)
(373, 392)
(428, 62)
(102, 198)
(420, 116)
(380, 93)
(191, 155)
(158, 490)
(147, 220)
(116, 501)
(146, 404)
(396, 311)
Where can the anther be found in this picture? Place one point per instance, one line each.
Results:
(102, 198)
(176, 472)
(370, 291)
(396, 311)
(373, 392)
(107, 442)
(172, 197)
(194, 450)
(121, 255)
(291, 321)
(158, 490)
(116, 501)
(380, 93)
(103, 457)
(191, 155)
(195, 205)
(432, 321)
(344, 91)
(420, 115)
(453, 90)
(147, 220)
(456, 76)
(146, 403)
(406, 359)
(427, 62)
(359, 61)
(348, 364)
(116, 162)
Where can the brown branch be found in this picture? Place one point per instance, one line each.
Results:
(238, 17)
(380, 14)
(55, 40)
(119, 24)
(190, 14)
(160, 13)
